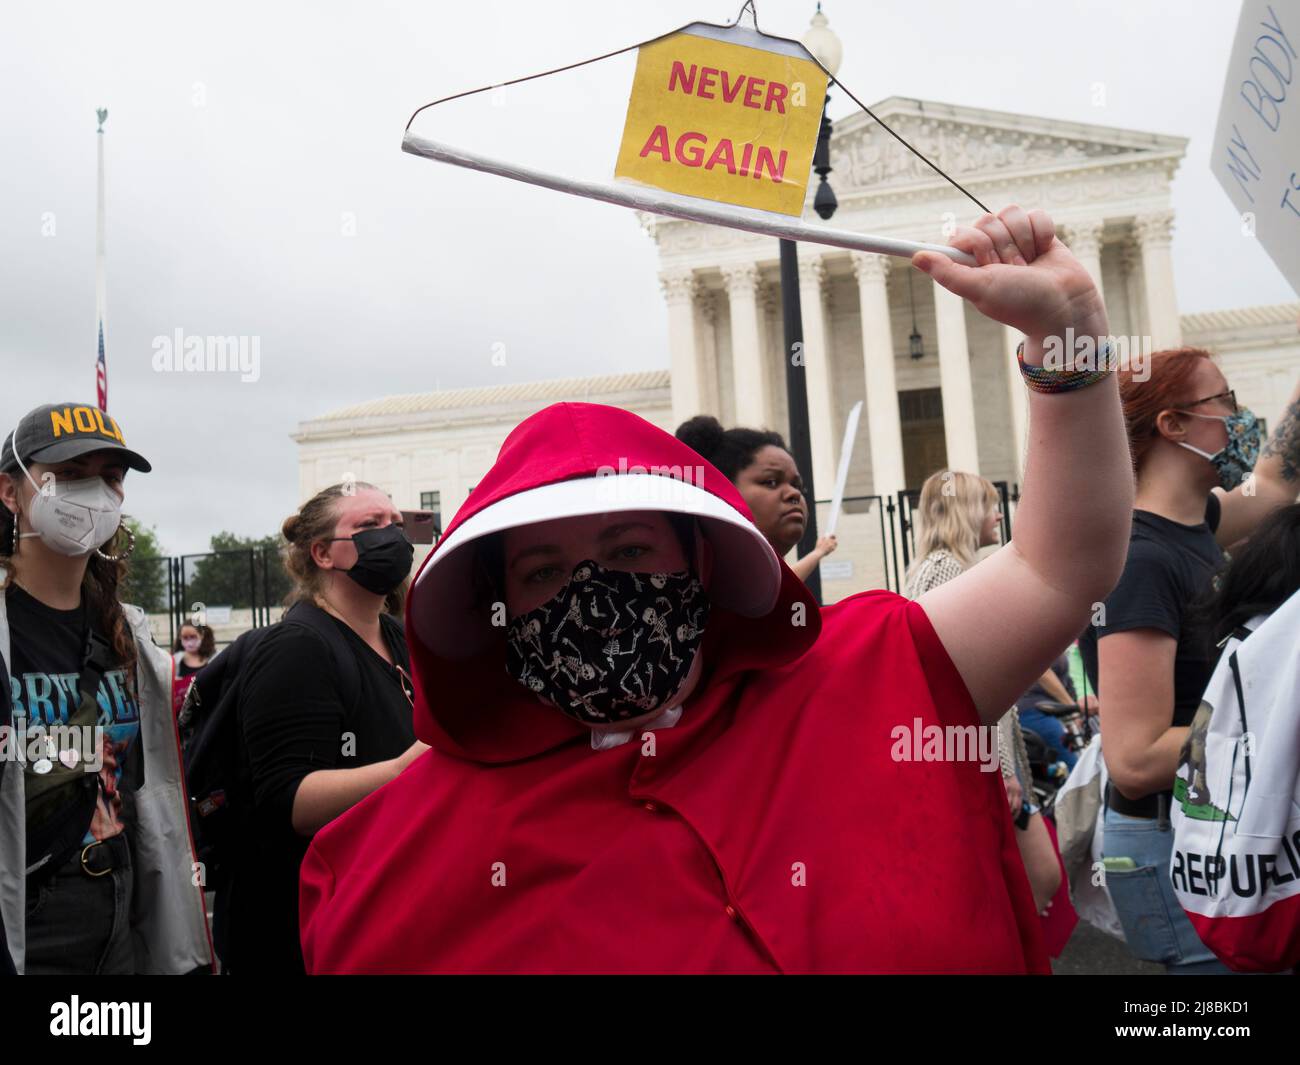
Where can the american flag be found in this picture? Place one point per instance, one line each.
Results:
(101, 373)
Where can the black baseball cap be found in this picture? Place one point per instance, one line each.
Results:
(61, 431)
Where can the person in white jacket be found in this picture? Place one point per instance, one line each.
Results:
(97, 866)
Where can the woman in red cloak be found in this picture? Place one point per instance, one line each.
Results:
(652, 752)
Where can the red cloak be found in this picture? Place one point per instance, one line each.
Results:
(771, 830)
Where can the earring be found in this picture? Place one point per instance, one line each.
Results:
(125, 554)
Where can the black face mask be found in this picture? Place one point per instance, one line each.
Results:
(384, 558)
(610, 645)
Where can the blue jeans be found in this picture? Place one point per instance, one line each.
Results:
(1051, 732)
(1155, 926)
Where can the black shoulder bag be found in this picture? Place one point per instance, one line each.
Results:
(61, 801)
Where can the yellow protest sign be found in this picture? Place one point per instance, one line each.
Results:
(723, 121)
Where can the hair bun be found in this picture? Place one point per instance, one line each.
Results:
(703, 433)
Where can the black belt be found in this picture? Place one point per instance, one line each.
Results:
(1147, 806)
(103, 856)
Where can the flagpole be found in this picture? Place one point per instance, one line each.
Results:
(101, 362)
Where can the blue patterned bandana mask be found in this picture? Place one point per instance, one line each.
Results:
(1237, 458)
(611, 645)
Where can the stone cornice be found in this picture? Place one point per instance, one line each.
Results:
(492, 417)
(1090, 191)
(483, 405)
(897, 111)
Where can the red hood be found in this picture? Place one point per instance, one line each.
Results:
(471, 708)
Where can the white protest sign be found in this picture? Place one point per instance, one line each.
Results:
(1256, 154)
(846, 456)
(836, 570)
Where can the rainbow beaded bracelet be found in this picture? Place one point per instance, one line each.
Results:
(1041, 379)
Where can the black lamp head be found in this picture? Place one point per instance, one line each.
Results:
(825, 203)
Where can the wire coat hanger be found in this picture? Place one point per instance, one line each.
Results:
(676, 205)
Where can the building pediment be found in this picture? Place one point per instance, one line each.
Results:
(972, 143)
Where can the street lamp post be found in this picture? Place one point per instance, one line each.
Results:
(826, 47)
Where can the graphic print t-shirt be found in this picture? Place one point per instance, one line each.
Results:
(46, 648)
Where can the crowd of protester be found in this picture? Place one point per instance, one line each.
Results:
(607, 727)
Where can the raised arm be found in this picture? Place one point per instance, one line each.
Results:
(1005, 620)
(803, 568)
(1275, 481)
(326, 793)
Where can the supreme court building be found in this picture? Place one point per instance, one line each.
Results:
(956, 403)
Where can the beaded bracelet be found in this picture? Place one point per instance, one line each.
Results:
(1051, 381)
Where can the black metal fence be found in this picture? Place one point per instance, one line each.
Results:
(898, 528)
(185, 587)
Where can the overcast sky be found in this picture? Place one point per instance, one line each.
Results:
(245, 141)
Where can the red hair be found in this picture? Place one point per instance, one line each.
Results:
(1168, 384)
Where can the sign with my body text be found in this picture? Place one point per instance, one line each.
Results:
(1256, 153)
(724, 121)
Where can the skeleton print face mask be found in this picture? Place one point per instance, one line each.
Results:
(611, 645)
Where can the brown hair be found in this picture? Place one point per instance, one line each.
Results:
(207, 639)
(98, 587)
(314, 522)
(1167, 385)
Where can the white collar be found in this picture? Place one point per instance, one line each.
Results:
(606, 739)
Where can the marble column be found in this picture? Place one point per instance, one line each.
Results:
(1131, 262)
(749, 375)
(773, 328)
(883, 427)
(1155, 234)
(706, 348)
(955, 381)
(679, 288)
(825, 434)
(1019, 426)
(1084, 240)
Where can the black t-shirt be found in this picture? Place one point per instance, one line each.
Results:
(46, 650)
(295, 723)
(1169, 567)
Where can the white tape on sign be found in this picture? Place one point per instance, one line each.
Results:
(846, 456)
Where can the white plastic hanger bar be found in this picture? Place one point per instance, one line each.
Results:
(690, 208)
